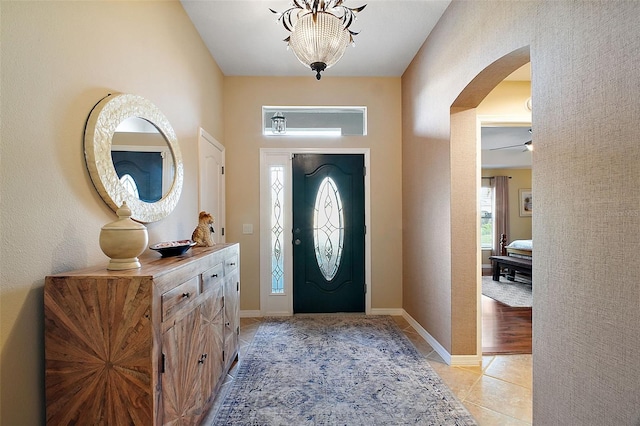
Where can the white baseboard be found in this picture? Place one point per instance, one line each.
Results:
(387, 311)
(453, 360)
(259, 314)
(446, 357)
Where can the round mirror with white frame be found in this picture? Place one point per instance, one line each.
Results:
(109, 119)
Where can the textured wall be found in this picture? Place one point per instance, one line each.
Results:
(586, 168)
(464, 244)
(245, 96)
(58, 60)
(586, 174)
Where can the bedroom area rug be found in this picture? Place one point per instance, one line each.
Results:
(326, 370)
(512, 293)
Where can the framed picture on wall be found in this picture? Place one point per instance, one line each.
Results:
(526, 202)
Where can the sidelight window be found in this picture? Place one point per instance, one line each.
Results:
(277, 228)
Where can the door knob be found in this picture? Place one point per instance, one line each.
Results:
(297, 241)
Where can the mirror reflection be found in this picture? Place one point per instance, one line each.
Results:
(142, 159)
(120, 128)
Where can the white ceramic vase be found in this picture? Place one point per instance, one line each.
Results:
(123, 240)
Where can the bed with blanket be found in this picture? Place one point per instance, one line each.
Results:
(515, 258)
(520, 248)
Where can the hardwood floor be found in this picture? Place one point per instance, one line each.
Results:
(505, 330)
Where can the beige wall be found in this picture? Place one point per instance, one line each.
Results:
(585, 86)
(519, 226)
(507, 99)
(58, 60)
(244, 98)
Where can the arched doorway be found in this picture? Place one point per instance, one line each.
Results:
(466, 262)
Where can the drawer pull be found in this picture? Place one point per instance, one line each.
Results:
(185, 295)
(202, 358)
(214, 276)
(232, 264)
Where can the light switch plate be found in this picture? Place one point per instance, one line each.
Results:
(247, 228)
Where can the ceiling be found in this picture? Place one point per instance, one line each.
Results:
(245, 38)
(512, 153)
(502, 137)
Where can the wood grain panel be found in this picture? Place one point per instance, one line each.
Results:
(181, 387)
(231, 315)
(212, 319)
(97, 344)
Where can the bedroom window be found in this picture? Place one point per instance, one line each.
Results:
(486, 217)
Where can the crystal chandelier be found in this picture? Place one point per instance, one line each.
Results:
(319, 31)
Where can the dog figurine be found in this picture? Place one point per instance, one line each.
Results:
(203, 234)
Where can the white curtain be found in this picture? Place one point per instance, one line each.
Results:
(501, 211)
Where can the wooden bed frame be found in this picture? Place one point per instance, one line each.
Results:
(513, 260)
(506, 251)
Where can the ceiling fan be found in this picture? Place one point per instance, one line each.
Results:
(527, 146)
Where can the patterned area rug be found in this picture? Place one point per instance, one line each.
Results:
(511, 293)
(337, 370)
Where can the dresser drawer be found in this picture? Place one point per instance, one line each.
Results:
(230, 264)
(180, 297)
(212, 278)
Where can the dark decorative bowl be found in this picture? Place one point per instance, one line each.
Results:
(173, 248)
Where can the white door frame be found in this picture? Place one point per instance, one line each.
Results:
(488, 120)
(220, 218)
(282, 304)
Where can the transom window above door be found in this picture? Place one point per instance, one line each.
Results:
(314, 121)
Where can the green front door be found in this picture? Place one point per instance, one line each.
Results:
(328, 233)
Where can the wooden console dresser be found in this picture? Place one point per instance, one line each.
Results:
(147, 346)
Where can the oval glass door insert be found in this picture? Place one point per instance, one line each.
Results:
(328, 228)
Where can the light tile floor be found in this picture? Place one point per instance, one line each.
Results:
(496, 393)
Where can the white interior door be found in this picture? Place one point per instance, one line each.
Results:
(211, 184)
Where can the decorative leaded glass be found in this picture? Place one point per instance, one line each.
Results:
(277, 226)
(328, 228)
(130, 185)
